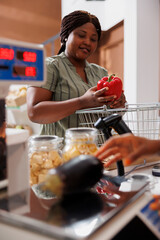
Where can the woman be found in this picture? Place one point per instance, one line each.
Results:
(71, 80)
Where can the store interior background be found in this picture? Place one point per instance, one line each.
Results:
(129, 45)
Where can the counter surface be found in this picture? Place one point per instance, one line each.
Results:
(89, 215)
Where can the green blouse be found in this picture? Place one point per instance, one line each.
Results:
(65, 83)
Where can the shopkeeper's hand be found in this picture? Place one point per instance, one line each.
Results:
(155, 205)
(127, 147)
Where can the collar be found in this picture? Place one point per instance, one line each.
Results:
(63, 55)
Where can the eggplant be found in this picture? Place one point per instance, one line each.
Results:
(75, 207)
(77, 175)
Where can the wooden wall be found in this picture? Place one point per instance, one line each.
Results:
(110, 52)
(38, 20)
(31, 20)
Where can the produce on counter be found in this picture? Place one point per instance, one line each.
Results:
(16, 97)
(114, 84)
(21, 126)
(75, 207)
(77, 175)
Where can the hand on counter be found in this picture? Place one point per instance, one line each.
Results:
(127, 147)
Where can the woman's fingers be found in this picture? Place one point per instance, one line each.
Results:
(102, 97)
(93, 88)
(107, 99)
(119, 103)
(101, 91)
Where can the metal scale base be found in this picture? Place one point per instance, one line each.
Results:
(75, 216)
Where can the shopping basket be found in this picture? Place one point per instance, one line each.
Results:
(142, 119)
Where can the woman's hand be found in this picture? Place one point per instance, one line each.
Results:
(96, 98)
(119, 103)
(127, 147)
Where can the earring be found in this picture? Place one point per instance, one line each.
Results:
(65, 39)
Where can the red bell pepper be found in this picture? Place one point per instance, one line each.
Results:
(113, 83)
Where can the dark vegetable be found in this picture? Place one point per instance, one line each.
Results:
(75, 207)
(79, 174)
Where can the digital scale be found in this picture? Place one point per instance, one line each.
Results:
(20, 63)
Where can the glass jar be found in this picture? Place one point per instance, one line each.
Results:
(44, 153)
(79, 141)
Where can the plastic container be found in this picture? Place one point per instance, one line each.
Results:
(44, 153)
(79, 141)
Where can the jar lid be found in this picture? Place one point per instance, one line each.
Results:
(45, 139)
(39, 138)
(81, 132)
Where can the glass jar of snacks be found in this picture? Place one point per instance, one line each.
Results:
(44, 153)
(79, 141)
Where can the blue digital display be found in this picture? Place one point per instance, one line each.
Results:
(21, 63)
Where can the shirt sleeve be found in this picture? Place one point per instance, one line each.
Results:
(52, 74)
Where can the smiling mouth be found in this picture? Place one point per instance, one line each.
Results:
(86, 50)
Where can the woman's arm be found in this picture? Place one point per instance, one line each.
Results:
(41, 109)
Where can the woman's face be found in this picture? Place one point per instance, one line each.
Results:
(81, 42)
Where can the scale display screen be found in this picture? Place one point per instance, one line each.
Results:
(21, 62)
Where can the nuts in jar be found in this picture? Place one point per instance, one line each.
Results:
(79, 141)
(44, 154)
